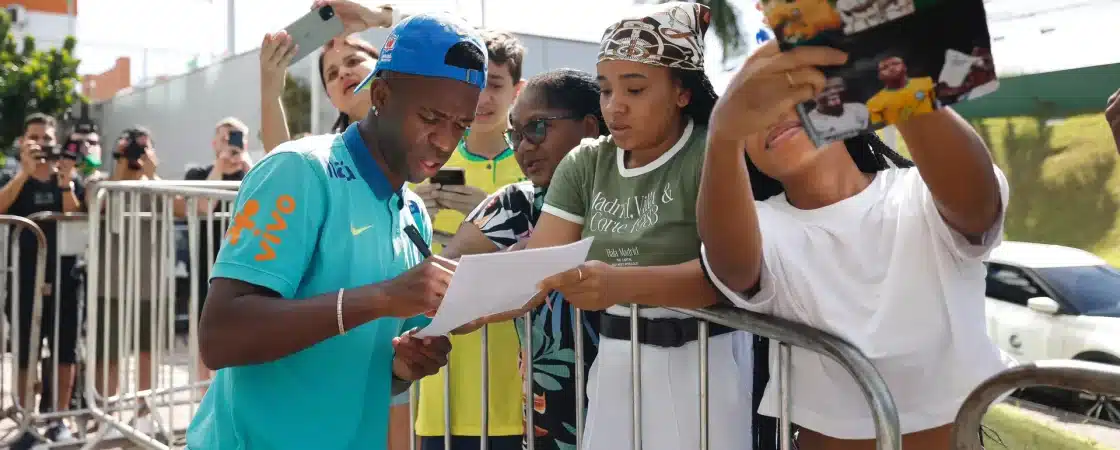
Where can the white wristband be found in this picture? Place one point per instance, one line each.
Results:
(338, 310)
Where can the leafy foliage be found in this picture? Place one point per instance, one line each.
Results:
(297, 105)
(33, 80)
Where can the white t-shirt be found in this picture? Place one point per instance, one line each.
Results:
(855, 118)
(884, 271)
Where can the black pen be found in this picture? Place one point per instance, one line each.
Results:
(417, 240)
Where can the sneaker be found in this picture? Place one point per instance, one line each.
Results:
(59, 432)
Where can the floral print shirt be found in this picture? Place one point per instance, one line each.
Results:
(506, 218)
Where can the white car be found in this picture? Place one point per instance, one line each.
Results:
(1055, 302)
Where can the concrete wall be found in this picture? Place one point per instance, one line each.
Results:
(182, 111)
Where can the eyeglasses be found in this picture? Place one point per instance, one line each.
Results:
(536, 130)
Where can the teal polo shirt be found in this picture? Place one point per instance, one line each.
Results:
(314, 216)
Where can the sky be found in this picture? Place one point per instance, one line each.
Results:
(1028, 35)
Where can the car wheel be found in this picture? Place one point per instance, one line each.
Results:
(1095, 405)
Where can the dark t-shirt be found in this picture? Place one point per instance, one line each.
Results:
(38, 196)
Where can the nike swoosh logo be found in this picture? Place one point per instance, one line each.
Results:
(356, 231)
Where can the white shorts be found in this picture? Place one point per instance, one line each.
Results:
(671, 396)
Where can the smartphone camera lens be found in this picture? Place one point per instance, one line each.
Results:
(326, 13)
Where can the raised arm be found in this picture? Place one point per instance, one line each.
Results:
(768, 85)
(277, 50)
(954, 162)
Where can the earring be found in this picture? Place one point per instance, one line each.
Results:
(374, 109)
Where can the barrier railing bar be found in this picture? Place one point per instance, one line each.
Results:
(785, 395)
(636, 378)
(1066, 374)
(24, 396)
(875, 391)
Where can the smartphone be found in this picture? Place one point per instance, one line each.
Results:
(313, 30)
(452, 176)
(237, 139)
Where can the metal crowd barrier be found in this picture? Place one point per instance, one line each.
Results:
(22, 407)
(140, 369)
(149, 205)
(786, 333)
(1066, 374)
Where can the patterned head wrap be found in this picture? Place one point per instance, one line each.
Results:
(671, 36)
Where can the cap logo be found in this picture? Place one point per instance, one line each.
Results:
(389, 43)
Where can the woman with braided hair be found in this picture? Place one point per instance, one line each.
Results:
(855, 240)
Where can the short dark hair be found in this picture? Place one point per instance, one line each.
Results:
(505, 49)
(39, 119)
(572, 90)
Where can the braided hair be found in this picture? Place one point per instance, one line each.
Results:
(704, 96)
(870, 154)
(572, 90)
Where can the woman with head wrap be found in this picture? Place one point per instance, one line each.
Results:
(635, 193)
(853, 239)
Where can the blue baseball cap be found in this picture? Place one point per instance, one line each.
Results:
(419, 45)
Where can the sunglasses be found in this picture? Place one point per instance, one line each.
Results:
(536, 130)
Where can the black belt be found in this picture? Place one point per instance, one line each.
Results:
(667, 332)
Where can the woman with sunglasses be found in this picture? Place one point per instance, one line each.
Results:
(553, 113)
(635, 193)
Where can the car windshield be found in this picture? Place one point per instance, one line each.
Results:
(1093, 290)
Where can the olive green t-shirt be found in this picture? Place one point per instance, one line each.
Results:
(642, 216)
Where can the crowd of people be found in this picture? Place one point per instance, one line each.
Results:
(694, 199)
(57, 172)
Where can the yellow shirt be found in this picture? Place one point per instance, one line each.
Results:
(466, 355)
(891, 106)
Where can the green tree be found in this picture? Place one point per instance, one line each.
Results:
(297, 105)
(33, 80)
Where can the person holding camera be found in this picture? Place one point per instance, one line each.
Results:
(133, 160)
(84, 144)
(44, 182)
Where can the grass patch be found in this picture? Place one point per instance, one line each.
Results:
(1065, 183)
(1020, 431)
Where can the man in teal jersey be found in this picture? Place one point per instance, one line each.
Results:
(322, 264)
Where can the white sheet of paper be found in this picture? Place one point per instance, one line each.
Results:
(498, 282)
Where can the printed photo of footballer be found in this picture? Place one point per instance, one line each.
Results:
(906, 57)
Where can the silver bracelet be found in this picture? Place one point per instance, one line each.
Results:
(338, 310)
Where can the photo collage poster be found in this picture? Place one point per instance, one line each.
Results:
(906, 57)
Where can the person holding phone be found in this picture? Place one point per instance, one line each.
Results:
(344, 62)
(37, 186)
(554, 112)
(482, 162)
(231, 163)
(853, 239)
(322, 279)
